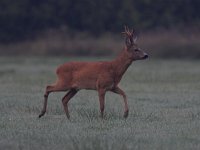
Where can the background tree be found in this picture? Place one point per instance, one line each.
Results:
(23, 19)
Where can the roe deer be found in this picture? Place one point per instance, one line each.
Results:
(102, 76)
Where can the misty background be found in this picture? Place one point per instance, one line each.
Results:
(165, 29)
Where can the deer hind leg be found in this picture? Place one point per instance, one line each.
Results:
(101, 93)
(49, 89)
(117, 90)
(66, 99)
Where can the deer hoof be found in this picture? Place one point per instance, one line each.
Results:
(42, 114)
(126, 114)
(68, 116)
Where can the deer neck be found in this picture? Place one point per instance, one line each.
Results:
(121, 63)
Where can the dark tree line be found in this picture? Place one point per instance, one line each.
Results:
(20, 19)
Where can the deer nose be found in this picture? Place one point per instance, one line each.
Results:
(146, 56)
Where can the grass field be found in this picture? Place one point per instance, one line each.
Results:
(163, 96)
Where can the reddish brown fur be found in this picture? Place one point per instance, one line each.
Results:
(102, 76)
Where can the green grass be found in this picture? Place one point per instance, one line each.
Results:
(163, 96)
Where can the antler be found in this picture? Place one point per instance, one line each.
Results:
(129, 36)
(127, 32)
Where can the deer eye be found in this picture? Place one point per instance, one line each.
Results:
(136, 50)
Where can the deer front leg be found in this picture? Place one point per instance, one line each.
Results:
(117, 90)
(101, 93)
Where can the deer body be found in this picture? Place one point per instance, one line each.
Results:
(102, 76)
(93, 75)
(84, 75)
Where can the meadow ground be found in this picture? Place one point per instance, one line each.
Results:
(163, 96)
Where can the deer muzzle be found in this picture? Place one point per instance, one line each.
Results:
(145, 56)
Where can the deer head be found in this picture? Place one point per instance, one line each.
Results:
(131, 47)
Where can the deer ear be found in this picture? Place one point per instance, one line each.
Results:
(135, 39)
(128, 42)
